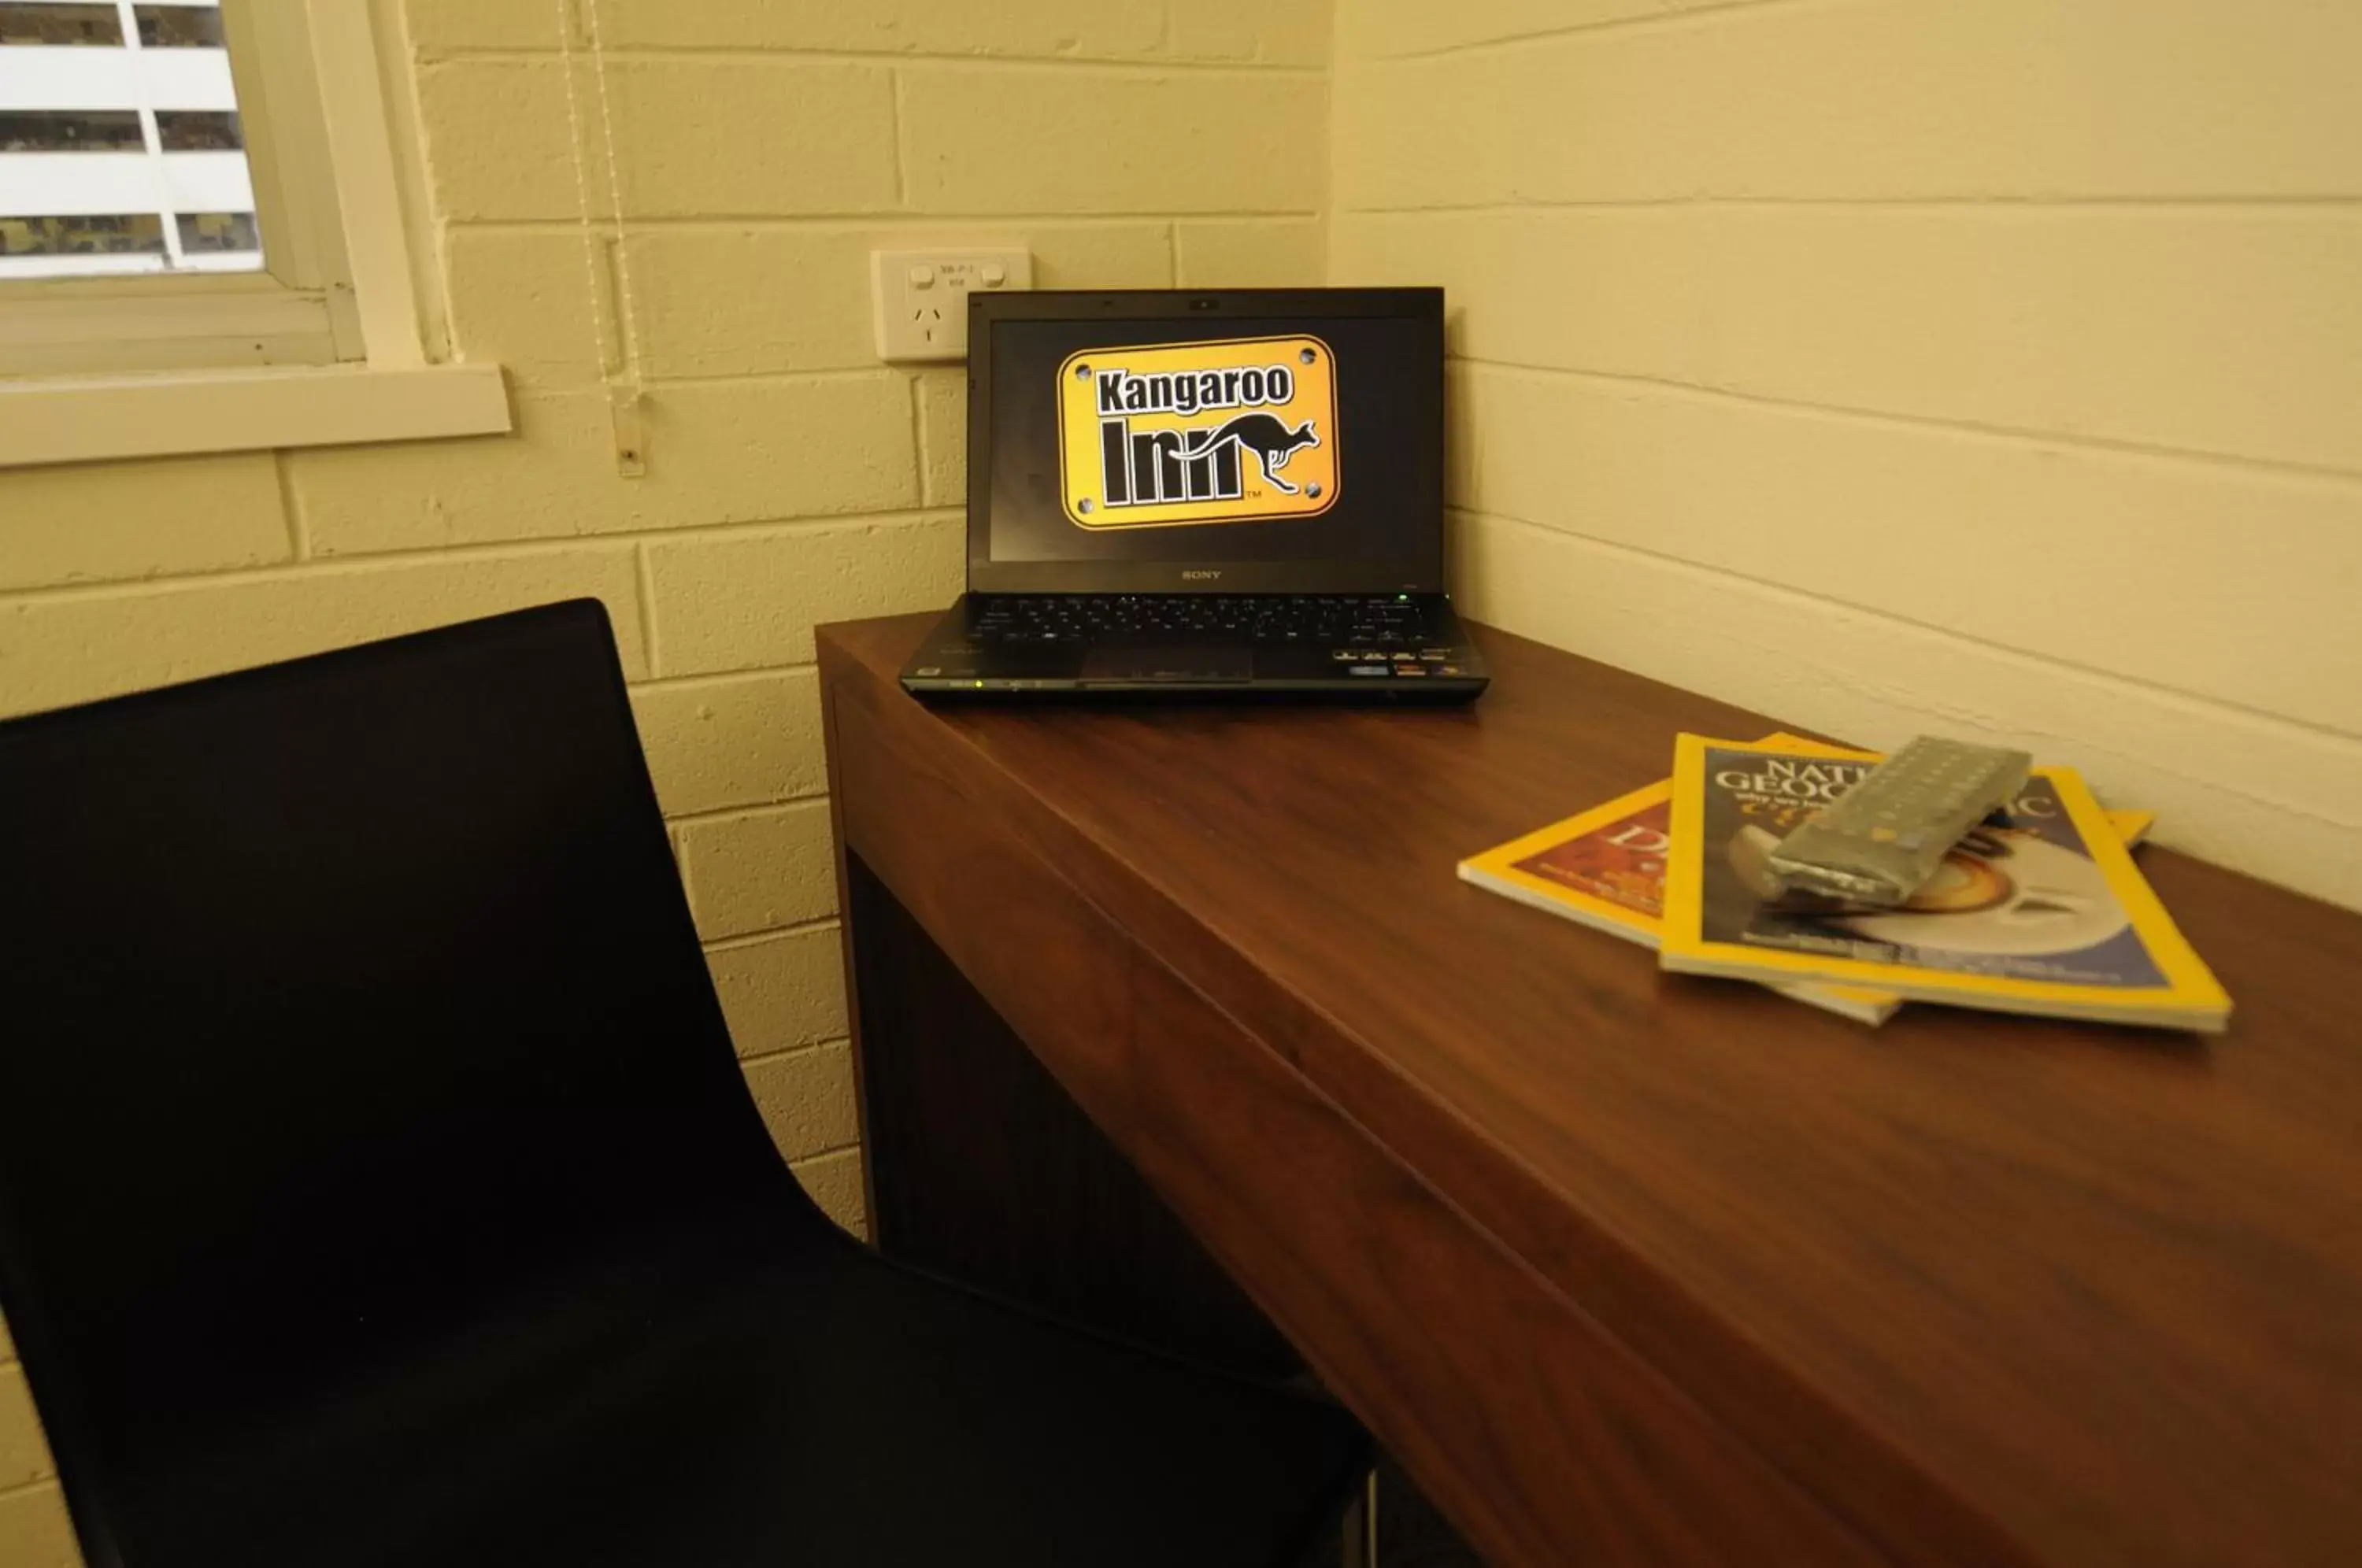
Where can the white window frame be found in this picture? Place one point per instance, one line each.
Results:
(330, 346)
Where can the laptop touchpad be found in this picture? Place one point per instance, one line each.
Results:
(1204, 662)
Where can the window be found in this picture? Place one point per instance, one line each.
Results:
(184, 24)
(230, 233)
(93, 130)
(153, 130)
(194, 130)
(206, 193)
(139, 235)
(62, 25)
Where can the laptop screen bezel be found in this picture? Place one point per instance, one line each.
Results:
(1421, 572)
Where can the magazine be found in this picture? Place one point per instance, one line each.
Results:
(2040, 911)
(1605, 869)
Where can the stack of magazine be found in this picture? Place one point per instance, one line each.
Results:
(2039, 909)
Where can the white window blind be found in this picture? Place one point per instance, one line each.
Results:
(209, 235)
(121, 147)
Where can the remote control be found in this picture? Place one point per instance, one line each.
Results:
(1881, 841)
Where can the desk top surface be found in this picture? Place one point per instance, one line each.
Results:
(2099, 1290)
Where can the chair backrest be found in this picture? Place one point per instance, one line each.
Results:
(341, 1001)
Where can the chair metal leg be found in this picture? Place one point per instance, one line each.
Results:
(1359, 1547)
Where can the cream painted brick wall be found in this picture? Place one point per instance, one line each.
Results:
(806, 1098)
(132, 520)
(781, 991)
(57, 649)
(1783, 496)
(438, 26)
(719, 452)
(765, 147)
(2091, 322)
(1852, 100)
(1197, 141)
(1899, 364)
(731, 602)
(834, 1182)
(1223, 253)
(759, 870)
(752, 301)
(34, 1531)
(1083, 29)
(23, 1456)
(696, 137)
(715, 137)
(744, 740)
(1168, 30)
(1248, 30)
(742, 300)
(1378, 31)
(943, 430)
(525, 298)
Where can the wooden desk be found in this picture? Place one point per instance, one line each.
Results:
(1628, 1267)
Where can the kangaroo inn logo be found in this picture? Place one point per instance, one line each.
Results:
(1239, 431)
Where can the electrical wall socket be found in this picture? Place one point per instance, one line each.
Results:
(920, 296)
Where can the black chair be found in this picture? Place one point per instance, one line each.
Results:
(378, 1185)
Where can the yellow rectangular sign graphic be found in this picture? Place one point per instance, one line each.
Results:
(1243, 430)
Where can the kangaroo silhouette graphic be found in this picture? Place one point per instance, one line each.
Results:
(1262, 434)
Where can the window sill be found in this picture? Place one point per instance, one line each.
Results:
(93, 419)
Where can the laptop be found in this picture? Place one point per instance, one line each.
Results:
(1188, 494)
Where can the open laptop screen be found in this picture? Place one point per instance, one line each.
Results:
(1232, 446)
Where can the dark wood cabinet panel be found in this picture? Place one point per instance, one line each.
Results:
(983, 1169)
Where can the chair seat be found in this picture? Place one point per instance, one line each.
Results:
(818, 1406)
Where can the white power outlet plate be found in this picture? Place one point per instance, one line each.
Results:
(920, 296)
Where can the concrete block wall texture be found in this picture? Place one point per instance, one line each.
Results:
(1893, 365)
(764, 147)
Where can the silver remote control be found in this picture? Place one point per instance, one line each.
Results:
(1882, 840)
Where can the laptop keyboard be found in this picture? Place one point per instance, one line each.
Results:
(1381, 622)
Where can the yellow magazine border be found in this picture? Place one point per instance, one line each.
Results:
(2191, 987)
(1504, 860)
(1501, 860)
